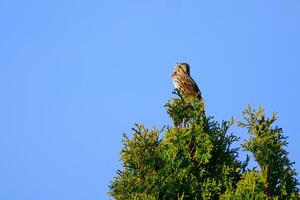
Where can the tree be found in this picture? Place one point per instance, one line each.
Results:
(194, 159)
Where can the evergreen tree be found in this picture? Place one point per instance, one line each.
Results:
(194, 159)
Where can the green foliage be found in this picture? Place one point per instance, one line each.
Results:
(141, 160)
(194, 159)
(267, 144)
(249, 187)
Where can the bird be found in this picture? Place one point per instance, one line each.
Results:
(183, 81)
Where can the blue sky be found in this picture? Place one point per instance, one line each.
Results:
(75, 75)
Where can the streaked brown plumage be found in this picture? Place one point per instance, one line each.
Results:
(184, 82)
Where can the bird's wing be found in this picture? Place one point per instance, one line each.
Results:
(190, 87)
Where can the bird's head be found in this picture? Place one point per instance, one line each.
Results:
(181, 68)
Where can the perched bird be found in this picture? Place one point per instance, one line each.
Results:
(184, 82)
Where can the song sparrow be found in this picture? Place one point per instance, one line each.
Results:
(184, 82)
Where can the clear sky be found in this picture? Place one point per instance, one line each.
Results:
(75, 75)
